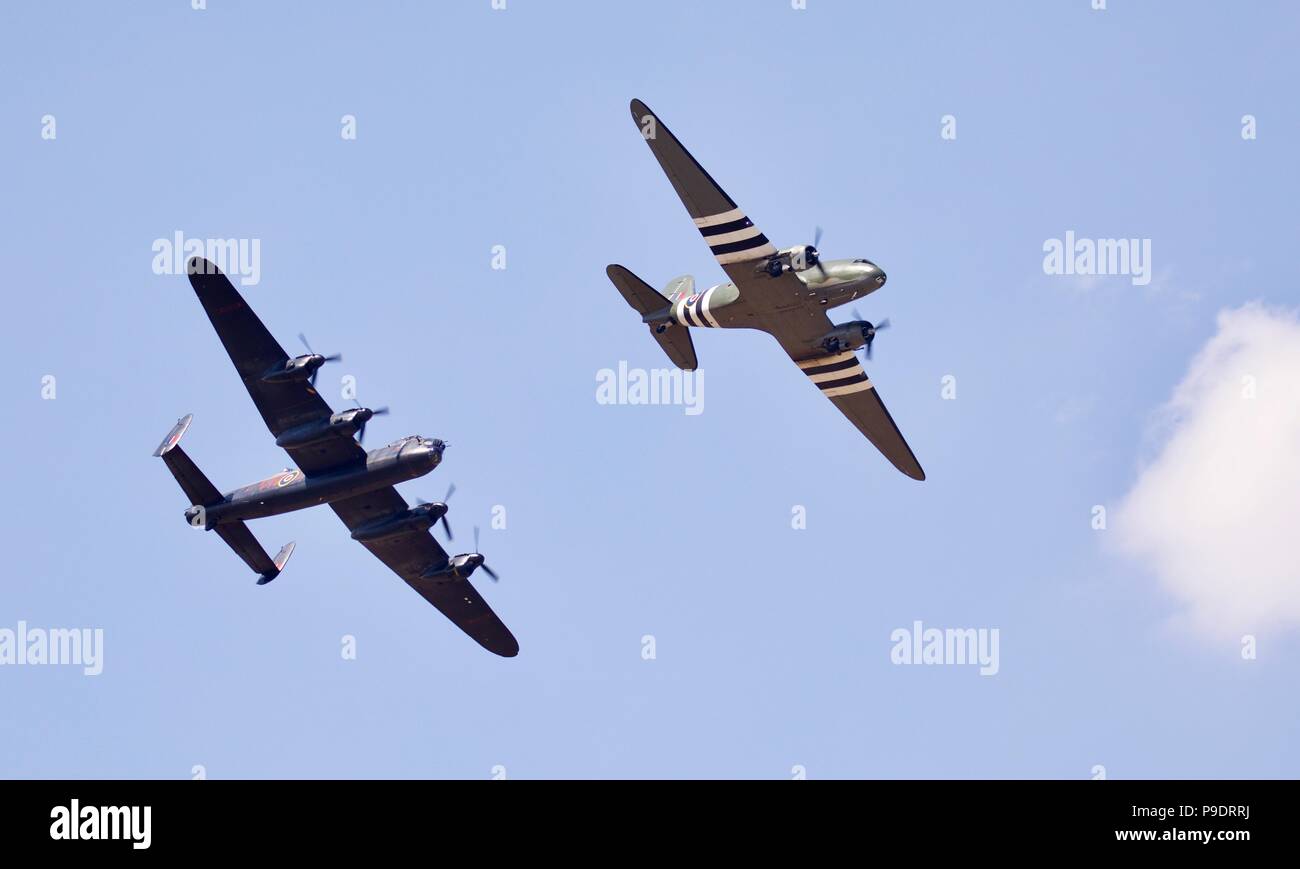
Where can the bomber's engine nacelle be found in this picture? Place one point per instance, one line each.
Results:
(345, 423)
(847, 336)
(792, 259)
(295, 369)
(457, 567)
(418, 518)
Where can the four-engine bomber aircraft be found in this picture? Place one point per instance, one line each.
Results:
(333, 468)
(785, 293)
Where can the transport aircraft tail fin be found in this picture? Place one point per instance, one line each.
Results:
(656, 312)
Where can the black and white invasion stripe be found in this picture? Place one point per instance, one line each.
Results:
(733, 237)
(694, 311)
(837, 374)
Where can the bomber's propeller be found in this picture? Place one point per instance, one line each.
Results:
(483, 564)
(446, 526)
(378, 411)
(333, 357)
(869, 330)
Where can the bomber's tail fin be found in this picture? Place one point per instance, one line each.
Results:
(199, 489)
(656, 312)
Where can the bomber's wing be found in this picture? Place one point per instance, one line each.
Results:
(840, 378)
(737, 244)
(410, 554)
(255, 352)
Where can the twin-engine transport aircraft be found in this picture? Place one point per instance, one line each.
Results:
(333, 468)
(785, 293)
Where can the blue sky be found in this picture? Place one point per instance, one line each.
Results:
(478, 128)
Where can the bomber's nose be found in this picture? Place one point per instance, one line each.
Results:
(435, 448)
(426, 452)
(879, 275)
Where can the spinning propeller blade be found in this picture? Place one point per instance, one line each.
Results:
(483, 564)
(817, 259)
(361, 431)
(869, 331)
(333, 357)
(446, 526)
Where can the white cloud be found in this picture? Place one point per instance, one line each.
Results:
(1216, 514)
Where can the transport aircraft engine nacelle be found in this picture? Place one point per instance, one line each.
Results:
(295, 369)
(846, 336)
(804, 256)
(419, 518)
(344, 423)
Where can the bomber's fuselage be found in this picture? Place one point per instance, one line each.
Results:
(293, 490)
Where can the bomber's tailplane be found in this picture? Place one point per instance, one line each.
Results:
(202, 494)
(240, 539)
